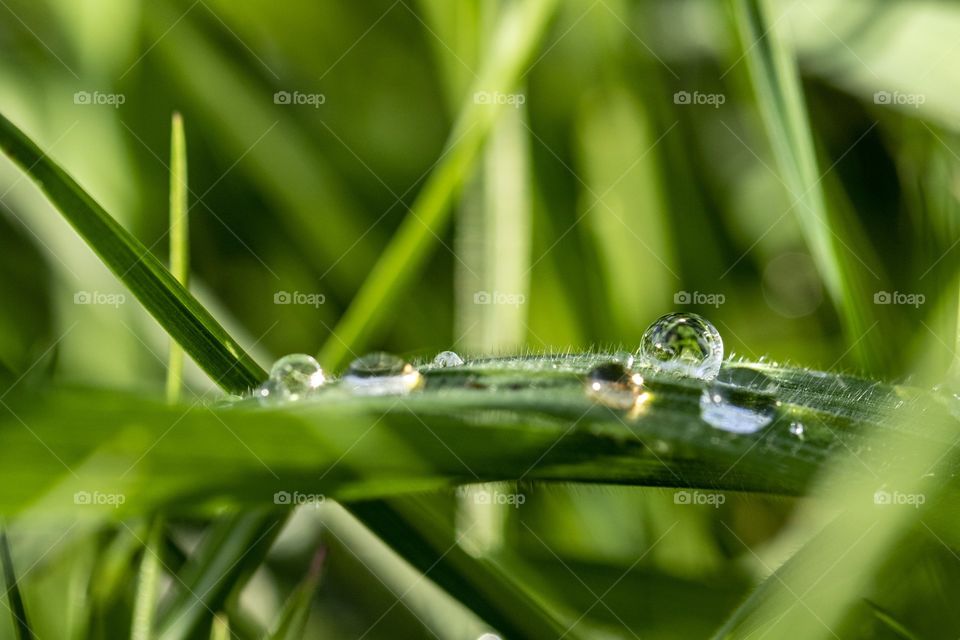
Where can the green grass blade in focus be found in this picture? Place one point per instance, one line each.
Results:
(183, 317)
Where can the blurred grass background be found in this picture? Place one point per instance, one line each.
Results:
(599, 201)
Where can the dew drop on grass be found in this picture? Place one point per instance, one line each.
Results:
(683, 343)
(729, 409)
(797, 429)
(612, 385)
(625, 358)
(448, 359)
(292, 377)
(381, 374)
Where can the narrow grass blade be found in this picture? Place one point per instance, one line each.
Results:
(519, 31)
(230, 551)
(221, 628)
(148, 584)
(18, 611)
(179, 241)
(185, 319)
(418, 532)
(844, 259)
(293, 619)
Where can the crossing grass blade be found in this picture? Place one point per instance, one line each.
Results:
(517, 34)
(844, 259)
(180, 314)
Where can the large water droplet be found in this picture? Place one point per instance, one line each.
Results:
(683, 343)
(448, 359)
(731, 410)
(611, 384)
(381, 374)
(292, 377)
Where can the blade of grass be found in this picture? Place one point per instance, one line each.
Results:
(417, 531)
(517, 34)
(185, 319)
(836, 241)
(230, 551)
(179, 241)
(148, 584)
(293, 619)
(21, 625)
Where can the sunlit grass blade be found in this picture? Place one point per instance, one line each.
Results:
(21, 625)
(844, 259)
(148, 584)
(293, 619)
(517, 34)
(185, 319)
(179, 241)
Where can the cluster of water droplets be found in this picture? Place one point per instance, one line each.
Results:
(737, 400)
(298, 376)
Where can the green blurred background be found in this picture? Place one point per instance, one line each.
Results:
(602, 199)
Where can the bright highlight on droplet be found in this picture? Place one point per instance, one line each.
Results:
(682, 343)
(381, 374)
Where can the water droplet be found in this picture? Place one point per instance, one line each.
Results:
(683, 343)
(625, 358)
(612, 385)
(797, 429)
(292, 377)
(728, 409)
(381, 374)
(448, 359)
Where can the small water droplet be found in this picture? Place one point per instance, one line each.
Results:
(381, 374)
(612, 385)
(448, 359)
(728, 409)
(292, 377)
(683, 343)
(797, 429)
(625, 358)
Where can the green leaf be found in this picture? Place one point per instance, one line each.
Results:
(148, 584)
(293, 619)
(183, 317)
(231, 549)
(416, 530)
(514, 42)
(18, 611)
(838, 245)
(179, 240)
